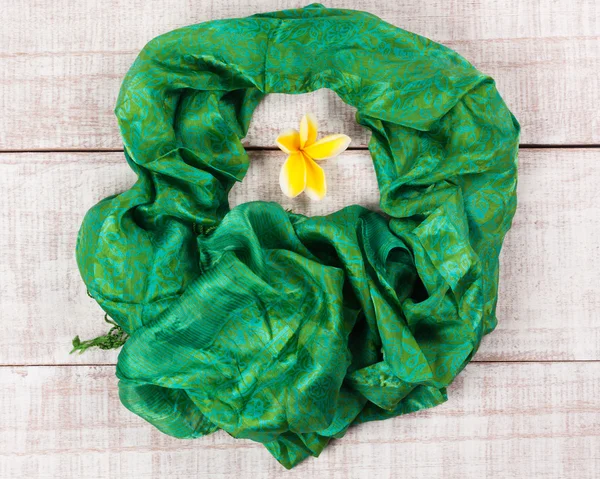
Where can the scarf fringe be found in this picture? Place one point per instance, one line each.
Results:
(115, 338)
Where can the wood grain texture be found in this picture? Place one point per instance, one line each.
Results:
(61, 64)
(501, 421)
(549, 308)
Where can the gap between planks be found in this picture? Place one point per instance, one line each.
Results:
(524, 146)
(474, 361)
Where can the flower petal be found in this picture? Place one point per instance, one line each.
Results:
(292, 177)
(308, 130)
(316, 186)
(328, 147)
(288, 141)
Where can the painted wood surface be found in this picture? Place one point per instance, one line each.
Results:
(502, 420)
(527, 407)
(549, 307)
(62, 62)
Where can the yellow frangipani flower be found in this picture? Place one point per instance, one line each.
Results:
(300, 172)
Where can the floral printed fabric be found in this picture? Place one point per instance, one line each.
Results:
(274, 326)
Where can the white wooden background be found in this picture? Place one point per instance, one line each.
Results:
(527, 407)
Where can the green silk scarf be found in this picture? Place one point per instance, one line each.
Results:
(270, 325)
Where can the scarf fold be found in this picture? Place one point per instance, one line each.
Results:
(270, 325)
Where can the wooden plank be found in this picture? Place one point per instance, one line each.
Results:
(502, 420)
(550, 270)
(59, 80)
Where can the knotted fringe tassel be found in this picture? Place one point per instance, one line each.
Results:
(115, 338)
